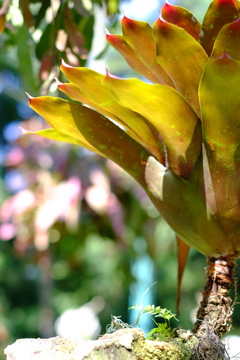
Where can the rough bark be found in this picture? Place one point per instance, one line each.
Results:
(125, 344)
(214, 316)
(216, 308)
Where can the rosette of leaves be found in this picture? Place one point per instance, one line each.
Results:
(178, 136)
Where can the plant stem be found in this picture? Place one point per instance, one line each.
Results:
(216, 307)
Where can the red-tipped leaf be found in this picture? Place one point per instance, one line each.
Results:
(219, 13)
(228, 41)
(182, 58)
(120, 44)
(183, 18)
(139, 35)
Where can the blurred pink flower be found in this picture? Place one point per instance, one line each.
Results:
(17, 204)
(14, 157)
(60, 204)
(7, 231)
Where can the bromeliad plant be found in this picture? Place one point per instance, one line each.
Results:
(179, 137)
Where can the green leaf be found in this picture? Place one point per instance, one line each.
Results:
(228, 40)
(139, 35)
(90, 91)
(47, 41)
(87, 25)
(183, 18)
(174, 119)
(42, 12)
(182, 58)
(25, 60)
(95, 130)
(220, 105)
(219, 13)
(120, 44)
(185, 211)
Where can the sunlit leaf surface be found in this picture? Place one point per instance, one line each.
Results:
(183, 59)
(177, 124)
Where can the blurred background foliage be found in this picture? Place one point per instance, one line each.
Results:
(79, 238)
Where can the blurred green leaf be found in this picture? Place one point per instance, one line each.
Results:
(47, 41)
(25, 57)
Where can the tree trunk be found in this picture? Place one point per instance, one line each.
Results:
(214, 316)
(216, 307)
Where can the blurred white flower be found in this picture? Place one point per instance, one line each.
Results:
(81, 323)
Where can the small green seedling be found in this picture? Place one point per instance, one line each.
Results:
(162, 330)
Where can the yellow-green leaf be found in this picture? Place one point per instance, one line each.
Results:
(220, 105)
(94, 130)
(182, 58)
(228, 40)
(120, 44)
(55, 135)
(219, 13)
(181, 17)
(139, 35)
(91, 92)
(169, 113)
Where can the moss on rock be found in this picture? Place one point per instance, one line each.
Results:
(161, 350)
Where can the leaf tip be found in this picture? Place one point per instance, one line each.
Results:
(225, 57)
(168, 10)
(110, 75)
(160, 21)
(30, 98)
(58, 81)
(65, 65)
(23, 131)
(128, 23)
(123, 13)
(112, 39)
(107, 32)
